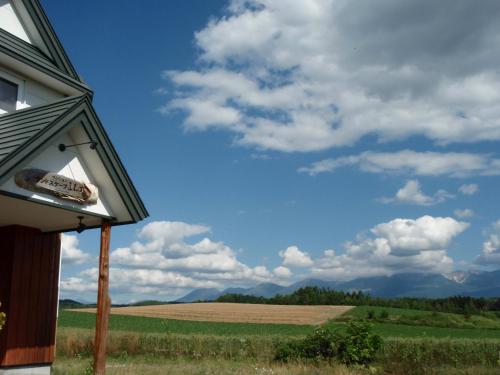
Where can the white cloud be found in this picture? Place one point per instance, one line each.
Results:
(164, 263)
(412, 193)
(311, 75)
(135, 281)
(466, 212)
(491, 247)
(282, 272)
(400, 245)
(70, 253)
(469, 189)
(424, 233)
(294, 257)
(164, 247)
(451, 164)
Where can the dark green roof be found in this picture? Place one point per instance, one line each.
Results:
(19, 128)
(50, 38)
(57, 64)
(25, 133)
(31, 52)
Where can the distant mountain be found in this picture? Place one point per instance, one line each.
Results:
(202, 294)
(309, 282)
(405, 285)
(458, 276)
(471, 283)
(483, 284)
(235, 290)
(210, 294)
(265, 290)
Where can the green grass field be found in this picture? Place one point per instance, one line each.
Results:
(414, 325)
(139, 345)
(488, 320)
(72, 319)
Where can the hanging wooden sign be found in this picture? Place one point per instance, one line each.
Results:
(41, 181)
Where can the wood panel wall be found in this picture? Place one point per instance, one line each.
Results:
(29, 279)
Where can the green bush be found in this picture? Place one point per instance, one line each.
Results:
(358, 345)
(384, 314)
(370, 314)
(354, 345)
(318, 345)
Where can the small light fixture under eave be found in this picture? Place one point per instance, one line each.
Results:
(93, 145)
(81, 227)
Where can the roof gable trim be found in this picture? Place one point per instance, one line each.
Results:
(80, 112)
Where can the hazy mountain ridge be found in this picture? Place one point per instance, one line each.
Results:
(472, 283)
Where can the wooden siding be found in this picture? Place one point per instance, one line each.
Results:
(29, 277)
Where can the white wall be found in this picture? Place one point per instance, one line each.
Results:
(37, 94)
(31, 93)
(10, 22)
(69, 164)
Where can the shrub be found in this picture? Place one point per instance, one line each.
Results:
(384, 314)
(356, 345)
(319, 345)
(370, 314)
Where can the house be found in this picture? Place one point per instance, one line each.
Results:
(58, 172)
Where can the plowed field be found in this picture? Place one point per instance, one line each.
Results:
(235, 312)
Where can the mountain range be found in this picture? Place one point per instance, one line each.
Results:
(469, 283)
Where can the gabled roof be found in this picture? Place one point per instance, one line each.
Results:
(33, 56)
(56, 62)
(27, 132)
(21, 127)
(50, 38)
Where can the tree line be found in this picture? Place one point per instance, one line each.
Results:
(323, 296)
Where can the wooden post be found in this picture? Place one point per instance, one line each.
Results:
(103, 303)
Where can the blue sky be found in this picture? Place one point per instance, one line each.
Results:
(262, 135)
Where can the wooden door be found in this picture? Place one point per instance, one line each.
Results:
(29, 280)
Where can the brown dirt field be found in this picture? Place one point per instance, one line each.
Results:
(235, 312)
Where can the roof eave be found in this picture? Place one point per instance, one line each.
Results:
(49, 37)
(82, 106)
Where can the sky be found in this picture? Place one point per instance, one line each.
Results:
(276, 140)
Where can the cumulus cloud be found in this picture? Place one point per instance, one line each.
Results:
(400, 245)
(282, 272)
(469, 189)
(491, 247)
(165, 262)
(450, 164)
(70, 253)
(412, 193)
(135, 281)
(466, 212)
(299, 76)
(294, 257)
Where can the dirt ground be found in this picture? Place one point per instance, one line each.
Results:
(235, 312)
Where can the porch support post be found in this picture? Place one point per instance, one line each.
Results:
(103, 303)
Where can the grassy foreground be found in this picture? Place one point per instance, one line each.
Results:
(138, 345)
(146, 366)
(152, 366)
(398, 356)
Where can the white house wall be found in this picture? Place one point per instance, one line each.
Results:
(9, 21)
(37, 94)
(30, 93)
(69, 164)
